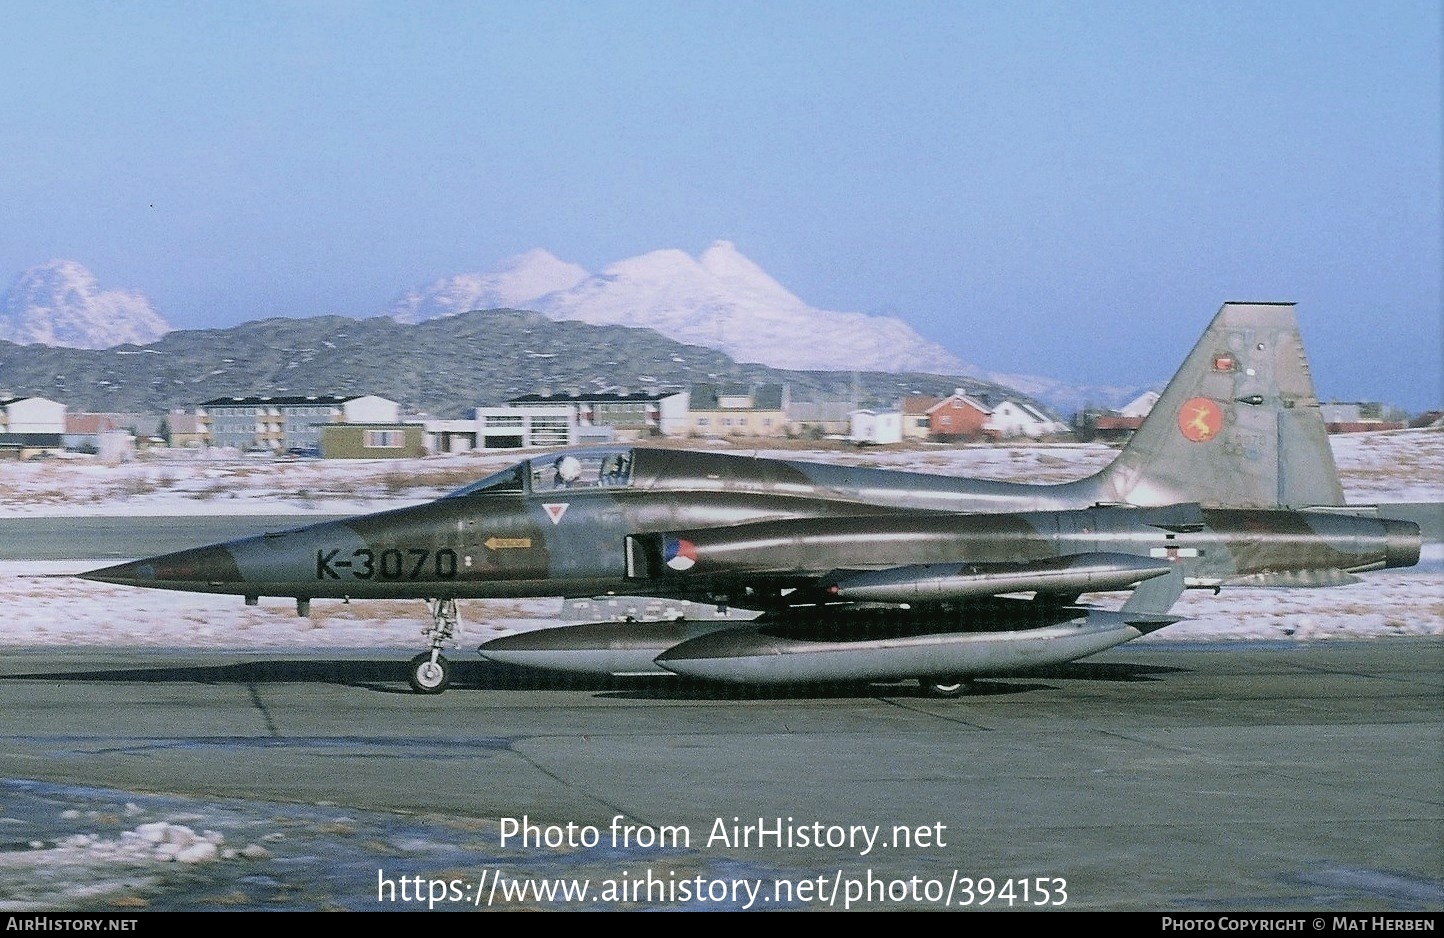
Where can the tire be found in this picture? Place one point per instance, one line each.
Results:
(944, 688)
(426, 678)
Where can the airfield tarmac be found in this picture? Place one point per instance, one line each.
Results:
(1167, 777)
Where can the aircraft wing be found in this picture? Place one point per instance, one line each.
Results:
(842, 642)
(824, 623)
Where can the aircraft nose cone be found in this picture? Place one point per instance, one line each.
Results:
(136, 573)
(204, 565)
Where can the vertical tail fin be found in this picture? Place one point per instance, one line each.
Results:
(1238, 426)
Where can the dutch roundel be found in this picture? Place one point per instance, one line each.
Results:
(679, 554)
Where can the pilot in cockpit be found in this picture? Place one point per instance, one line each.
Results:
(615, 469)
(568, 471)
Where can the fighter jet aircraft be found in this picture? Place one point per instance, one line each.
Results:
(742, 569)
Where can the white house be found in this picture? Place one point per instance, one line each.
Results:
(1012, 418)
(876, 428)
(30, 426)
(368, 408)
(31, 415)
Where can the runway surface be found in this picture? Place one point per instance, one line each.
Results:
(1169, 778)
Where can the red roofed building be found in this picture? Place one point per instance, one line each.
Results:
(957, 417)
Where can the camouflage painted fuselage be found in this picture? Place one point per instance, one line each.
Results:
(735, 529)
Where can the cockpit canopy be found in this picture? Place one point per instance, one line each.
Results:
(570, 470)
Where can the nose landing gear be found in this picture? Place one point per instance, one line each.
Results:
(430, 672)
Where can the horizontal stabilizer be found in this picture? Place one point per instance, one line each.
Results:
(1180, 519)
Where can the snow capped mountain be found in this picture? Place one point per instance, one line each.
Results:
(59, 303)
(520, 280)
(720, 300)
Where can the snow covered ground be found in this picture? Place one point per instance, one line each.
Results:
(101, 851)
(46, 607)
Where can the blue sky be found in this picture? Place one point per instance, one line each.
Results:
(1068, 189)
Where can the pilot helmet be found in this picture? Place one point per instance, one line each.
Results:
(569, 468)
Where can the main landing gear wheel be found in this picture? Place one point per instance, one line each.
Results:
(427, 676)
(945, 688)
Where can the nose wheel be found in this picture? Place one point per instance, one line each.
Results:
(430, 672)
